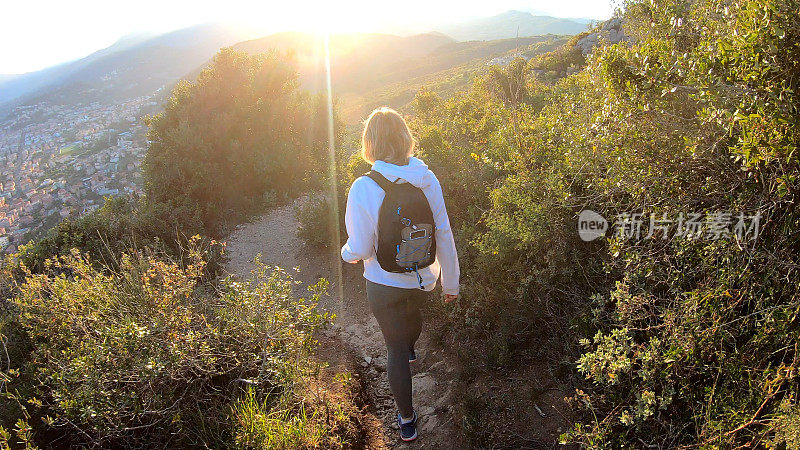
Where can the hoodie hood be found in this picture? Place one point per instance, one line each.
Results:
(415, 172)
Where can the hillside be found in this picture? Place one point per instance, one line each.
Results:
(134, 65)
(363, 64)
(468, 60)
(511, 24)
(139, 64)
(358, 60)
(274, 236)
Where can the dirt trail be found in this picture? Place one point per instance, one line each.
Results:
(355, 341)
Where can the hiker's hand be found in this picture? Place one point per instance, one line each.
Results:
(450, 297)
(353, 262)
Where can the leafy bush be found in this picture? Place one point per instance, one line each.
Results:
(685, 340)
(145, 355)
(316, 215)
(696, 342)
(309, 420)
(556, 64)
(120, 225)
(321, 215)
(241, 130)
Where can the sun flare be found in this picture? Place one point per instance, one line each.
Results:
(322, 18)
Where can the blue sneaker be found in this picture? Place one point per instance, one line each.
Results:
(412, 356)
(408, 431)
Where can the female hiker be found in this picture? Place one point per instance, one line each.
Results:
(397, 224)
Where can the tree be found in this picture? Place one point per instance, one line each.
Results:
(242, 132)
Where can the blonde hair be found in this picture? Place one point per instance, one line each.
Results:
(386, 137)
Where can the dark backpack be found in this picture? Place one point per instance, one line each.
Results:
(406, 229)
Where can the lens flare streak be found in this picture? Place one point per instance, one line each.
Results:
(332, 187)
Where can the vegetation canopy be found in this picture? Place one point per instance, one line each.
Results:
(242, 136)
(669, 340)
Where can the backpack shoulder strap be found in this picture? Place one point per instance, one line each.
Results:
(385, 184)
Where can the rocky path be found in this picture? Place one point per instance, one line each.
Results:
(355, 337)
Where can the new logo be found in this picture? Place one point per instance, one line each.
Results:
(591, 225)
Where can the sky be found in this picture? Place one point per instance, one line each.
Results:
(38, 34)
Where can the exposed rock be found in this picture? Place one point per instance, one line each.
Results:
(443, 401)
(379, 364)
(612, 24)
(423, 383)
(425, 410)
(428, 424)
(439, 366)
(353, 330)
(610, 33)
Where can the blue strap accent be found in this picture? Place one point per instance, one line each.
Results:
(413, 250)
(419, 277)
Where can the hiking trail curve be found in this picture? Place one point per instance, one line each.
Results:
(354, 343)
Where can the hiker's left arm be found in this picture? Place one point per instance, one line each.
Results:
(445, 245)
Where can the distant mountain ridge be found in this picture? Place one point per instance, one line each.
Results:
(364, 62)
(512, 24)
(139, 64)
(358, 60)
(134, 65)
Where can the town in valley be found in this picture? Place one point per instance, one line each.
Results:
(58, 161)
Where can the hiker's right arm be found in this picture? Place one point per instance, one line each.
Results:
(359, 224)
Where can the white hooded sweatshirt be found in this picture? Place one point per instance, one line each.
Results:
(361, 219)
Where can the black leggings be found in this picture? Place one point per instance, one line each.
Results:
(397, 312)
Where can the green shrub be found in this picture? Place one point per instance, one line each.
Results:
(684, 341)
(120, 225)
(297, 419)
(146, 355)
(318, 217)
(241, 130)
(321, 215)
